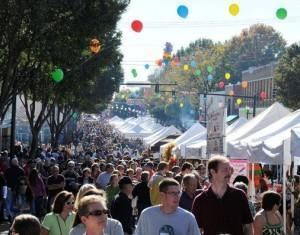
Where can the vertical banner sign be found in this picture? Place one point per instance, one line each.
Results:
(216, 116)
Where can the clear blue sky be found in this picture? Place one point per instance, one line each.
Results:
(206, 19)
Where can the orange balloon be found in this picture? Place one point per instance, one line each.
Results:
(231, 93)
(95, 46)
(244, 84)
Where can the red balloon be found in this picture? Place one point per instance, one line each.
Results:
(137, 26)
(221, 85)
(263, 95)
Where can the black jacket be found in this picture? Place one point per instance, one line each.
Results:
(121, 210)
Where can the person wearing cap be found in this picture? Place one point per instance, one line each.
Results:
(121, 206)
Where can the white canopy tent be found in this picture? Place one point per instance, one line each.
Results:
(236, 125)
(267, 146)
(153, 139)
(197, 146)
(264, 119)
(191, 132)
(295, 142)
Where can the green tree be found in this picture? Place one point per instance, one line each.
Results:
(258, 45)
(287, 77)
(38, 37)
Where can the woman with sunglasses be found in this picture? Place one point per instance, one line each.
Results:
(93, 214)
(60, 220)
(81, 223)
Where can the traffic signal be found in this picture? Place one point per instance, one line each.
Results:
(156, 88)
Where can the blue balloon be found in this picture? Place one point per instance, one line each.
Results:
(209, 77)
(182, 11)
(147, 66)
(193, 64)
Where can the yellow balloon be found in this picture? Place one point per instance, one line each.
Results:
(234, 9)
(227, 76)
(186, 67)
(239, 101)
(181, 105)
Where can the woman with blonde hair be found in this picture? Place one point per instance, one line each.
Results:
(83, 189)
(89, 213)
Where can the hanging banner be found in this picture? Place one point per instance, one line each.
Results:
(216, 120)
(240, 167)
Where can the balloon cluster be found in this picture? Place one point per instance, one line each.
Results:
(167, 55)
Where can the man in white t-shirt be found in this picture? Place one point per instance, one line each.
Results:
(167, 218)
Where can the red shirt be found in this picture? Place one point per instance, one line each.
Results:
(222, 215)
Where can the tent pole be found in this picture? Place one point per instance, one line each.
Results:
(284, 197)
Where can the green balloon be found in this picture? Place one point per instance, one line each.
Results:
(209, 69)
(57, 75)
(281, 13)
(198, 72)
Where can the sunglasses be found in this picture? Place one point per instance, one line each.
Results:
(70, 203)
(98, 212)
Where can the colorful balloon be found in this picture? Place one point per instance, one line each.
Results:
(210, 77)
(239, 101)
(147, 66)
(182, 11)
(234, 9)
(159, 62)
(193, 64)
(181, 105)
(281, 13)
(221, 85)
(57, 75)
(263, 95)
(209, 69)
(186, 67)
(244, 84)
(137, 26)
(95, 46)
(227, 76)
(198, 72)
(231, 93)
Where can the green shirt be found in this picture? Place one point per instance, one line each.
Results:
(111, 192)
(56, 225)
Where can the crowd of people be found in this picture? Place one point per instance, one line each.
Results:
(105, 184)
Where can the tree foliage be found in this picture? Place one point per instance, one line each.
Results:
(287, 77)
(39, 36)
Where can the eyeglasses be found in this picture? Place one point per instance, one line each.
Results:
(174, 194)
(70, 203)
(98, 212)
